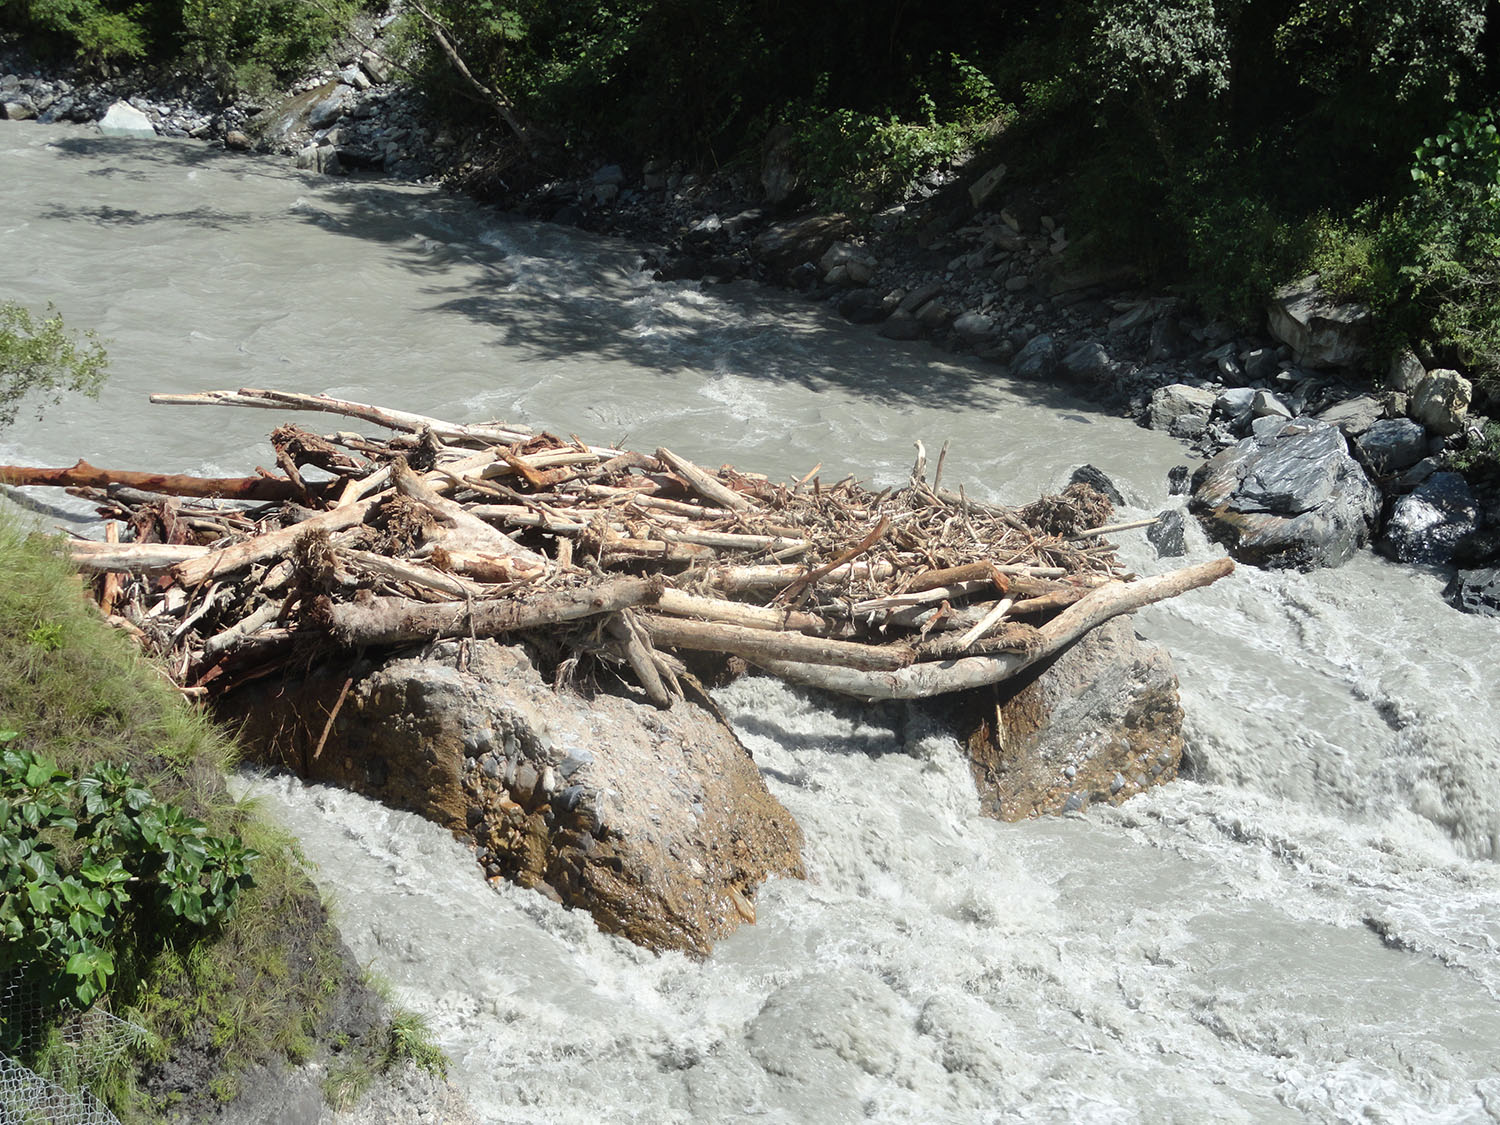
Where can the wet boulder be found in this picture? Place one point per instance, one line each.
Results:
(1475, 591)
(1427, 524)
(1101, 722)
(656, 822)
(1289, 495)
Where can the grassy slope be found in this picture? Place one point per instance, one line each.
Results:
(272, 984)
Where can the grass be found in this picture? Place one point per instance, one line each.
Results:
(271, 983)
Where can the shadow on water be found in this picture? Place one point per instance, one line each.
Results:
(558, 293)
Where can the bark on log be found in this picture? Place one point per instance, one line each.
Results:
(391, 621)
(757, 645)
(84, 475)
(921, 681)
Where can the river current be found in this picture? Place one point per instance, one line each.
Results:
(1305, 927)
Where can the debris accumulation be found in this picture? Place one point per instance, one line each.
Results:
(449, 530)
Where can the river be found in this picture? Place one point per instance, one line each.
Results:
(1305, 927)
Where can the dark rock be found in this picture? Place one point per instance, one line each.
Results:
(1354, 416)
(1177, 480)
(1236, 406)
(661, 827)
(1321, 331)
(1475, 591)
(1428, 523)
(1105, 709)
(1169, 535)
(1099, 481)
(1087, 362)
(1036, 360)
(1390, 445)
(1290, 495)
(901, 326)
(863, 306)
(784, 246)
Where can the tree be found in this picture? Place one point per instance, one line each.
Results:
(41, 359)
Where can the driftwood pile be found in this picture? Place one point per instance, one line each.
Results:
(450, 530)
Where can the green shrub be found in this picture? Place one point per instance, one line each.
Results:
(41, 360)
(96, 30)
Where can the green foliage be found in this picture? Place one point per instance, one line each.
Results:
(246, 45)
(97, 30)
(41, 359)
(409, 1038)
(88, 860)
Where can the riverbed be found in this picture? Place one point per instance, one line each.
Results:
(1306, 926)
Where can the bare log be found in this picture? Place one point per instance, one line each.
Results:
(635, 643)
(704, 484)
(754, 579)
(468, 535)
(271, 545)
(398, 571)
(391, 621)
(132, 558)
(681, 604)
(921, 681)
(84, 475)
(759, 644)
(972, 572)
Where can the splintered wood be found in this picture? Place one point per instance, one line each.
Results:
(589, 552)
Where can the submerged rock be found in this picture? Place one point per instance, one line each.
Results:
(656, 822)
(1475, 591)
(1102, 722)
(1289, 495)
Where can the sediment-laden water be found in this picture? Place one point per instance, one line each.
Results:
(1306, 928)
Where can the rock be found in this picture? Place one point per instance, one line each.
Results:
(657, 822)
(1354, 415)
(354, 77)
(974, 326)
(1169, 534)
(1428, 523)
(1258, 364)
(1475, 591)
(934, 316)
(1321, 331)
(123, 120)
(1405, 372)
(1236, 406)
(984, 187)
(846, 264)
(17, 111)
(293, 115)
(376, 67)
(1088, 362)
(864, 306)
(779, 174)
(901, 326)
(330, 107)
(1390, 445)
(1099, 481)
(1036, 360)
(919, 296)
(1176, 400)
(610, 174)
(237, 141)
(323, 159)
(784, 246)
(1264, 404)
(1177, 480)
(1289, 495)
(1106, 709)
(1187, 427)
(1441, 401)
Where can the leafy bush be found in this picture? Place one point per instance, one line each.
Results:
(95, 29)
(246, 45)
(40, 358)
(90, 860)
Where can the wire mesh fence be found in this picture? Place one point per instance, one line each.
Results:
(81, 1046)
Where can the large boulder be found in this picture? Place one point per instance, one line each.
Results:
(123, 120)
(1172, 404)
(1426, 525)
(1321, 331)
(1390, 445)
(1101, 722)
(1441, 401)
(783, 247)
(1289, 495)
(656, 822)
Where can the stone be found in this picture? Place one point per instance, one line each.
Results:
(1187, 427)
(1258, 364)
(934, 316)
(1169, 534)
(1441, 401)
(354, 77)
(864, 306)
(1099, 481)
(330, 107)
(984, 187)
(1405, 372)
(919, 296)
(783, 246)
(1353, 415)
(1390, 445)
(1235, 406)
(17, 111)
(1475, 591)
(780, 174)
(1320, 331)
(1176, 400)
(974, 326)
(237, 141)
(656, 822)
(1106, 709)
(293, 115)
(1088, 362)
(610, 174)
(1426, 525)
(846, 264)
(376, 66)
(1265, 404)
(901, 326)
(123, 120)
(1178, 480)
(1289, 495)
(1036, 360)
(323, 159)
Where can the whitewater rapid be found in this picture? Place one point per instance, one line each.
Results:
(1305, 927)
